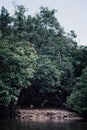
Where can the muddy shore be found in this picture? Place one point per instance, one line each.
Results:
(40, 115)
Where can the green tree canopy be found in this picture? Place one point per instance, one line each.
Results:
(17, 64)
(5, 21)
(78, 98)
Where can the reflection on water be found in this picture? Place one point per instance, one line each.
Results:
(29, 125)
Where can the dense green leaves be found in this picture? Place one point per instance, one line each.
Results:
(78, 98)
(47, 77)
(5, 21)
(17, 63)
(19, 18)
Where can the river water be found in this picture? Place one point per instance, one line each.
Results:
(29, 125)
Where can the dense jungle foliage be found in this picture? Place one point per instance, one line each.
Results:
(40, 64)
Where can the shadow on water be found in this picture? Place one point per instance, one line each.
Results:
(29, 125)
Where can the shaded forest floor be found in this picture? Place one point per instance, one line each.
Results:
(40, 115)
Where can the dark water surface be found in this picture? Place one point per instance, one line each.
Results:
(29, 125)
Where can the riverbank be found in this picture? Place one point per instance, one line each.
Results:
(47, 114)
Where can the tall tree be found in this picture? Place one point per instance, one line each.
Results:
(54, 48)
(17, 66)
(5, 22)
(77, 101)
(19, 18)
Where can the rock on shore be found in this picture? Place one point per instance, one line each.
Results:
(47, 114)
